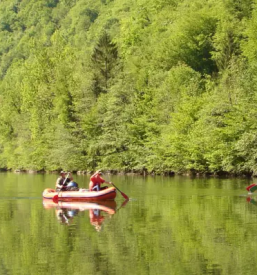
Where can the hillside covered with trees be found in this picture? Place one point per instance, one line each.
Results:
(140, 85)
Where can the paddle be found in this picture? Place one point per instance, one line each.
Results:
(124, 195)
(56, 197)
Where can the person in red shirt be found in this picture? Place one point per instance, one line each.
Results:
(96, 180)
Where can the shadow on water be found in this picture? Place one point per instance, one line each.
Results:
(252, 200)
(98, 211)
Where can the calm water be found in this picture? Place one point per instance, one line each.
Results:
(170, 226)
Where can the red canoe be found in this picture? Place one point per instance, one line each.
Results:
(251, 188)
(81, 195)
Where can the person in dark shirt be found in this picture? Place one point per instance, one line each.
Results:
(63, 180)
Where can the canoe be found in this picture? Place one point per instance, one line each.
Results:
(251, 188)
(81, 195)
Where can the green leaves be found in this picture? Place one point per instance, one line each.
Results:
(104, 58)
(151, 85)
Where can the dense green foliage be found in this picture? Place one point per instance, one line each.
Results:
(160, 86)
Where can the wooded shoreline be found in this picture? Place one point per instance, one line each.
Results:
(139, 173)
(149, 87)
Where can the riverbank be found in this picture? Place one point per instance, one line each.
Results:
(192, 173)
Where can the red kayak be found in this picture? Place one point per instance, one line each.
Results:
(251, 188)
(81, 195)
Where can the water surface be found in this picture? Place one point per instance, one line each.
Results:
(170, 226)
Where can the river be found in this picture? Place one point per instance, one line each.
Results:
(170, 225)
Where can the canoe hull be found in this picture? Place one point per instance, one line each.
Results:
(82, 195)
(251, 188)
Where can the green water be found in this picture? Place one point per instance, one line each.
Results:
(170, 226)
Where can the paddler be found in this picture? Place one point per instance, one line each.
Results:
(63, 180)
(96, 180)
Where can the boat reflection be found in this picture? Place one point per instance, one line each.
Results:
(251, 200)
(98, 211)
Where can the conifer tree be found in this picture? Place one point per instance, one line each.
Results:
(104, 59)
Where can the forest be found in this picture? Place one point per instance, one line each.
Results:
(153, 86)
